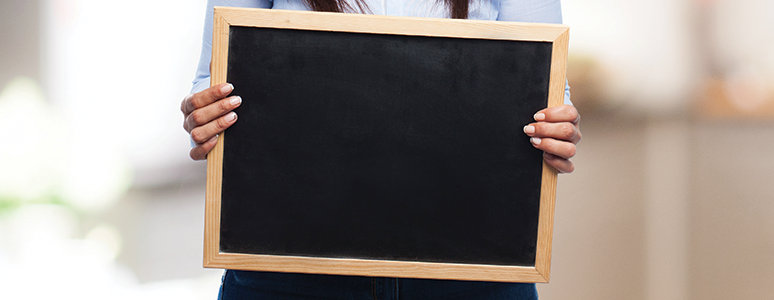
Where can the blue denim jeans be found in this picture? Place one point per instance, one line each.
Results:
(268, 285)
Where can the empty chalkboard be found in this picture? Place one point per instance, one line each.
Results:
(385, 153)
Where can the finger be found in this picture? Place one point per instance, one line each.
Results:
(560, 164)
(203, 133)
(561, 113)
(562, 131)
(210, 112)
(553, 146)
(200, 151)
(206, 97)
(185, 103)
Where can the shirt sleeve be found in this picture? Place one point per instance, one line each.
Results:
(536, 11)
(202, 79)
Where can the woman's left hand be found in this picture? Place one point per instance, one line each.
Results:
(556, 132)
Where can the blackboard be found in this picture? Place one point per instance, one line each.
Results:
(381, 147)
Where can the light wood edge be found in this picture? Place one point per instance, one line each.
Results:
(548, 188)
(479, 29)
(225, 17)
(379, 268)
(218, 69)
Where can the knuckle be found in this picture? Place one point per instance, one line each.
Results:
(542, 128)
(573, 114)
(221, 124)
(198, 136)
(194, 154)
(568, 111)
(186, 103)
(224, 105)
(568, 167)
(198, 153)
(538, 128)
(571, 110)
(216, 92)
(571, 149)
(195, 100)
(567, 131)
(198, 118)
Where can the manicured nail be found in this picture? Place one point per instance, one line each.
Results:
(540, 116)
(231, 116)
(535, 140)
(227, 88)
(529, 129)
(235, 100)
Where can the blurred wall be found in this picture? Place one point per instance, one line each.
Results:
(622, 232)
(731, 220)
(20, 47)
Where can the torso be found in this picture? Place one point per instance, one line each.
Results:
(479, 9)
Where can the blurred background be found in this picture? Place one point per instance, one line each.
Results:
(671, 199)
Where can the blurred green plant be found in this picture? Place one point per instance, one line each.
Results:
(9, 204)
(45, 161)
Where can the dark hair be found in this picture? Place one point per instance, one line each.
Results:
(458, 8)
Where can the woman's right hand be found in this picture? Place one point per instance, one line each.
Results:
(206, 114)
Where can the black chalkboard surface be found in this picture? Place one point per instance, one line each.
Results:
(382, 147)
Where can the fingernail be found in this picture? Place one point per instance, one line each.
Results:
(540, 116)
(231, 116)
(235, 100)
(535, 140)
(529, 129)
(227, 88)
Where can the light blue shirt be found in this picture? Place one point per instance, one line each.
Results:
(538, 11)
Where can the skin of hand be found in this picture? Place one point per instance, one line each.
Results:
(556, 132)
(206, 114)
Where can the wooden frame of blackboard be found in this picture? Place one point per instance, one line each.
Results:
(225, 17)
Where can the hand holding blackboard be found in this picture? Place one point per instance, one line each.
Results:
(384, 146)
(556, 132)
(206, 114)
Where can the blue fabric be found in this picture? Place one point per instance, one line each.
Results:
(267, 285)
(538, 11)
